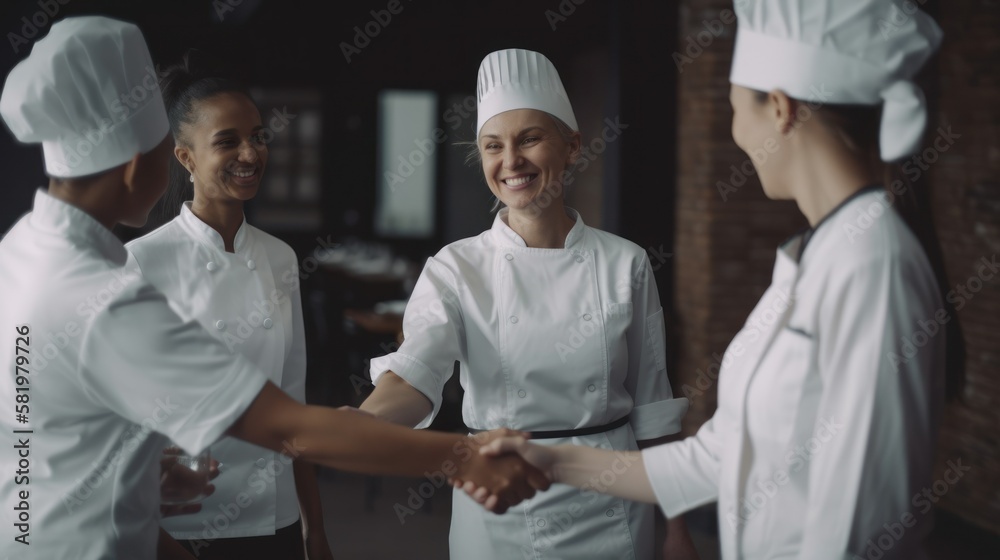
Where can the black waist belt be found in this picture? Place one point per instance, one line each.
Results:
(552, 434)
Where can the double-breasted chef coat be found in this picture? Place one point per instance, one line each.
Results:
(110, 368)
(546, 339)
(250, 300)
(828, 401)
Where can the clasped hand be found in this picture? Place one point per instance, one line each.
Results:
(496, 476)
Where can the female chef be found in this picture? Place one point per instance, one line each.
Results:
(557, 327)
(99, 364)
(216, 268)
(829, 397)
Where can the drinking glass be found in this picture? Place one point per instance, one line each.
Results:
(184, 478)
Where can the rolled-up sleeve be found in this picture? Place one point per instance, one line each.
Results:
(433, 337)
(656, 412)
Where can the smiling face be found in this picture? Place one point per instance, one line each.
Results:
(524, 155)
(223, 148)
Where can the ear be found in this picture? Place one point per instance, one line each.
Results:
(782, 110)
(130, 173)
(575, 147)
(183, 155)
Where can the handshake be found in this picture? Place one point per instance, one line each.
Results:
(501, 469)
(620, 473)
(497, 468)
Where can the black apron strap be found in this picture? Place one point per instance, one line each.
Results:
(553, 434)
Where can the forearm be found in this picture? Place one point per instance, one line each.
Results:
(397, 401)
(591, 469)
(344, 439)
(354, 442)
(307, 491)
(169, 549)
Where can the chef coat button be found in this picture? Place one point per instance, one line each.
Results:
(610, 513)
(261, 463)
(211, 266)
(540, 523)
(220, 324)
(268, 323)
(591, 388)
(522, 393)
(251, 265)
(509, 257)
(587, 317)
(579, 258)
(513, 318)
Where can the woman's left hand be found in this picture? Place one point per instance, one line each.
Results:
(175, 479)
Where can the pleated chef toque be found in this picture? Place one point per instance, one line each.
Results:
(88, 93)
(844, 51)
(519, 79)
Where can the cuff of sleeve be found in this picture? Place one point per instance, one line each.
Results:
(658, 419)
(665, 480)
(414, 372)
(250, 380)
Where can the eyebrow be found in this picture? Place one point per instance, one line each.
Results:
(229, 131)
(526, 130)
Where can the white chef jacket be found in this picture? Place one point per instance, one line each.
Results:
(111, 368)
(250, 301)
(826, 423)
(546, 339)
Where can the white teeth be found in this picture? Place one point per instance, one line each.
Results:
(244, 174)
(517, 182)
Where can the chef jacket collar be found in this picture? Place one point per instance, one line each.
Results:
(207, 233)
(808, 232)
(65, 220)
(505, 235)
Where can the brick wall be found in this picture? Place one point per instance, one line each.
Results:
(965, 183)
(727, 231)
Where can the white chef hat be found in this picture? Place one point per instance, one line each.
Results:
(519, 79)
(88, 92)
(861, 52)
